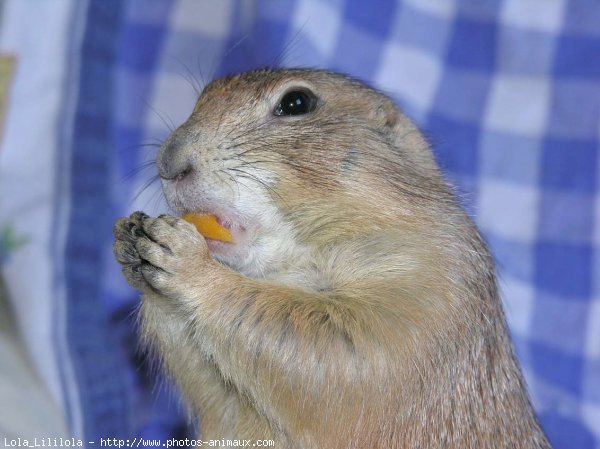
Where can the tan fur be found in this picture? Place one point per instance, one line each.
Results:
(375, 323)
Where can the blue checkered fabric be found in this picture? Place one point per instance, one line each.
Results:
(507, 91)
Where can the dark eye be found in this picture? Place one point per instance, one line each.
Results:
(296, 102)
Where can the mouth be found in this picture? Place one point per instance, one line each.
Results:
(229, 221)
(243, 227)
(217, 245)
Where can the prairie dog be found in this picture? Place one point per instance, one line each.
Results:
(357, 306)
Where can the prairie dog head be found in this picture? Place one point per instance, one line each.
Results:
(292, 159)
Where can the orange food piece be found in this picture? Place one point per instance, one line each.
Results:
(209, 227)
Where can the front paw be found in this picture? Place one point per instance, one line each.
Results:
(127, 231)
(159, 254)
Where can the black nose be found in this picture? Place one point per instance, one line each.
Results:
(171, 173)
(173, 160)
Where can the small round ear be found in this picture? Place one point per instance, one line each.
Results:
(404, 135)
(388, 114)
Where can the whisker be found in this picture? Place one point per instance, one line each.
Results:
(150, 147)
(257, 180)
(238, 181)
(200, 72)
(158, 141)
(143, 166)
(234, 46)
(266, 152)
(289, 46)
(170, 125)
(148, 183)
(253, 164)
(230, 177)
(155, 196)
(255, 128)
(190, 78)
(219, 125)
(249, 141)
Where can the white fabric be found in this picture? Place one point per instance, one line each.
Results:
(38, 35)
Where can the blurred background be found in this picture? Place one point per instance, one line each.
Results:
(507, 91)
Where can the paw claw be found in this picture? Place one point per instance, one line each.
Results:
(136, 231)
(138, 216)
(125, 252)
(156, 253)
